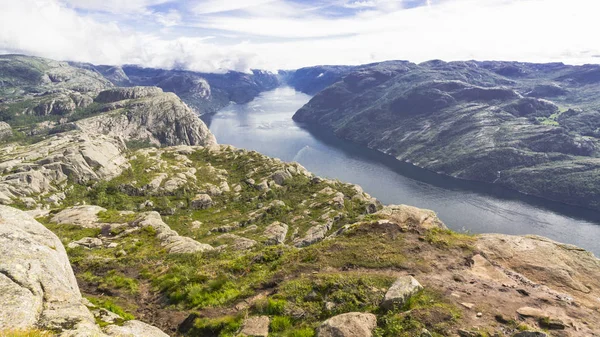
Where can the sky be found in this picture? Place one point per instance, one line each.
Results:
(221, 35)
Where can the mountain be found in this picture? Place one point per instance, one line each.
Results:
(122, 217)
(206, 93)
(534, 128)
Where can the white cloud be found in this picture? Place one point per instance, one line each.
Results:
(292, 36)
(171, 18)
(360, 4)
(217, 6)
(114, 6)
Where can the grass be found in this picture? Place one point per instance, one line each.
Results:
(445, 238)
(226, 326)
(112, 280)
(280, 323)
(111, 306)
(114, 216)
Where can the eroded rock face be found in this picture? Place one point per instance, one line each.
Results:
(154, 117)
(39, 168)
(37, 285)
(352, 324)
(119, 94)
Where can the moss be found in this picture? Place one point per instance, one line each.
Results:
(114, 216)
(445, 238)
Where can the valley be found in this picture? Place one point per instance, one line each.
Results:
(123, 214)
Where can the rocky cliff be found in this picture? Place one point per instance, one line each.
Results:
(529, 127)
(206, 93)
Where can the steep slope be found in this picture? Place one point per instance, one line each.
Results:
(529, 127)
(204, 92)
(218, 241)
(146, 114)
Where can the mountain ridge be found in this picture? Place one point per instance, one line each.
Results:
(469, 121)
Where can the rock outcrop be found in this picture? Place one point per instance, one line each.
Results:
(149, 115)
(37, 285)
(170, 239)
(564, 268)
(411, 217)
(40, 168)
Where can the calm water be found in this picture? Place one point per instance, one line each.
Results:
(266, 125)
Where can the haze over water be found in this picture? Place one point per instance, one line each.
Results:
(266, 125)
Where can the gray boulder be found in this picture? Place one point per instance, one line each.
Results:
(352, 324)
(275, 233)
(313, 235)
(280, 177)
(403, 289)
(86, 242)
(5, 130)
(85, 216)
(201, 201)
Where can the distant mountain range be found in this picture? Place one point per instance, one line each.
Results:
(530, 127)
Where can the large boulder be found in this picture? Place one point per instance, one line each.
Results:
(275, 233)
(403, 289)
(412, 216)
(352, 324)
(37, 285)
(85, 216)
(201, 201)
(5, 130)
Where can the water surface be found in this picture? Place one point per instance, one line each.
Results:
(266, 125)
